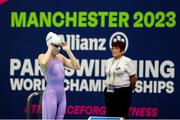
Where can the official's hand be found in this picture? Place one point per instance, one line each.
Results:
(133, 84)
(133, 80)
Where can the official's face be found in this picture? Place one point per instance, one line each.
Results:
(116, 52)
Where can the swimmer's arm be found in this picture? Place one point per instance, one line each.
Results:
(43, 65)
(43, 59)
(72, 62)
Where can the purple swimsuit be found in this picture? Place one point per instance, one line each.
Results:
(54, 97)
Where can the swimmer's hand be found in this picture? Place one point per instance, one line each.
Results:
(65, 46)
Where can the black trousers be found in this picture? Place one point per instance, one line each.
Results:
(118, 103)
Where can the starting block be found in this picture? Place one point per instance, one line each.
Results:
(105, 118)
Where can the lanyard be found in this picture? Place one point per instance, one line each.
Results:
(113, 71)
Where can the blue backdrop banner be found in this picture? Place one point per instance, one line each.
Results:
(149, 27)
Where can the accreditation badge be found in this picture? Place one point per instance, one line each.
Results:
(110, 89)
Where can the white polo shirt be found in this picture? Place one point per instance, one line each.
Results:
(118, 72)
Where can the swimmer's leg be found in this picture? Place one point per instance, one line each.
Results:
(61, 108)
(49, 104)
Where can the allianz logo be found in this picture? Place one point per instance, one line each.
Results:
(76, 42)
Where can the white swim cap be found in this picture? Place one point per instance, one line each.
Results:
(53, 38)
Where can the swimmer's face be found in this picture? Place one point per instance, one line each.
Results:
(57, 48)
